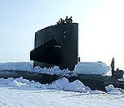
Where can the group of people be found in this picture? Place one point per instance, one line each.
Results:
(67, 20)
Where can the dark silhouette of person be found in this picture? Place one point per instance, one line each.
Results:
(113, 66)
(70, 19)
(67, 20)
(61, 21)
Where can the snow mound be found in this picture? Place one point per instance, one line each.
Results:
(64, 84)
(114, 91)
(99, 68)
(92, 68)
(61, 84)
(22, 66)
(52, 71)
(121, 79)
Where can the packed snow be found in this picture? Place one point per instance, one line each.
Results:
(52, 70)
(81, 68)
(23, 66)
(12, 97)
(61, 84)
(92, 68)
(20, 92)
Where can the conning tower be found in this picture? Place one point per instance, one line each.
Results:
(56, 45)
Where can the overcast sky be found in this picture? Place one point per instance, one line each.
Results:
(101, 27)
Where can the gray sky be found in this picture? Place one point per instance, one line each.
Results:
(101, 27)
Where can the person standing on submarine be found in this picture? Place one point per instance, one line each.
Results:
(113, 67)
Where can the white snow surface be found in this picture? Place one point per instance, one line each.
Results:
(61, 84)
(81, 68)
(111, 90)
(92, 68)
(23, 66)
(20, 92)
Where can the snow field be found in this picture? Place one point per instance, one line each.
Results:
(14, 97)
(21, 92)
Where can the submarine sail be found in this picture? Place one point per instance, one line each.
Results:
(56, 45)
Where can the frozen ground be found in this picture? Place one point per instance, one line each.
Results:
(14, 97)
(20, 92)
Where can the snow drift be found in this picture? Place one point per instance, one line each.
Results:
(112, 90)
(92, 68)
(22, 66)
(81, 68)
(61, 84)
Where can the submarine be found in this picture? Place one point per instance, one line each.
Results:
(56, 45)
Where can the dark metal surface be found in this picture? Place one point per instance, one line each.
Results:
(56, 45)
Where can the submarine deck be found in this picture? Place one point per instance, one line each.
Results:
(95, 82)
